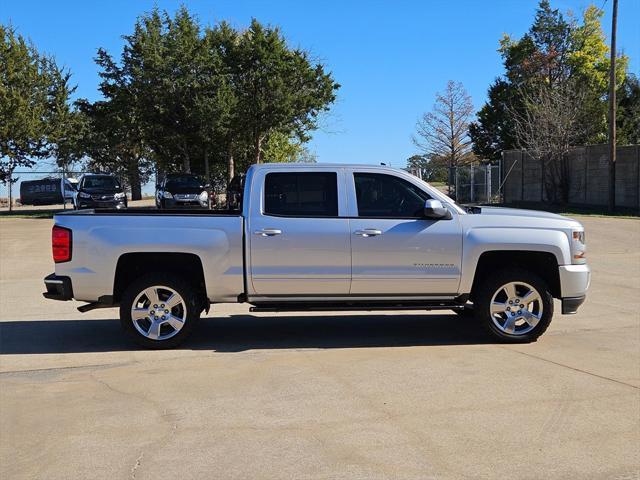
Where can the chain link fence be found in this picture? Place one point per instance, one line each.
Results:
(476, 183)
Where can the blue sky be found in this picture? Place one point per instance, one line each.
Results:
(390, 57)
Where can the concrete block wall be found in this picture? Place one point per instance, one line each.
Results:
(588, 180)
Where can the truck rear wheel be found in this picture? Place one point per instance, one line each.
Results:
(514, 306)
(159, 311)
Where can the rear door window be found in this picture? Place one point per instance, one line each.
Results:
(304, 194)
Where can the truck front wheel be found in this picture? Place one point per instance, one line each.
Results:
(159, 311)
(514, 305)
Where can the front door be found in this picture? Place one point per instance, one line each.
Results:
(299, 244)
(395, 250)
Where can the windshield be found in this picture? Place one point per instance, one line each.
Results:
(184, 181)
(105, 182)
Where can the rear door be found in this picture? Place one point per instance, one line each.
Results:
(395, 250)
(299, 242)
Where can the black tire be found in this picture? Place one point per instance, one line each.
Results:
(490, 285)
(188, 293)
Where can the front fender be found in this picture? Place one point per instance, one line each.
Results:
(479, 240)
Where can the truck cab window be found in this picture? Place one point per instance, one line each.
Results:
(305, 194)
(386, 196)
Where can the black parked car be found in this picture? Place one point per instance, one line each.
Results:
(182, 190)
(99, 191)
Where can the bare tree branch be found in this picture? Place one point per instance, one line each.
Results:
(548, 126)
(443, 132)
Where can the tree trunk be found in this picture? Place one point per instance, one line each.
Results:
(10, 195)
(230, 164)
(258, 149)
(186, 161)
(449, 174)
(206, 166)
(133, 176)
(10, 184)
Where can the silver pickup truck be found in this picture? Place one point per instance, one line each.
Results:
(322, 237)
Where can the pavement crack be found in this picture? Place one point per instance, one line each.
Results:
(73, 367)
(115, 390)
(136, 465)
(575, 369)
(171, 419)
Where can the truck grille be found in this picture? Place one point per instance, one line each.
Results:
(102, 198)
(185, 196)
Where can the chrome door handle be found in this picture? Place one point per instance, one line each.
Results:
(368, 232)
(268, 232)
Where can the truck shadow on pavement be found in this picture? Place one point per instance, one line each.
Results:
(237, 333)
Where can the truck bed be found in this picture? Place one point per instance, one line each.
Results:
(102, 237)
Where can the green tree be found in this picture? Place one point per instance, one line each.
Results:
(36, 120)
(208, 99)
(430, 168)
(24, 103)
(492, 131)
(554, 52)
(217, 105)
(162, 59)
(279, 88)
(589, 63)
(629, 111)
(283, 148)
(112, 142)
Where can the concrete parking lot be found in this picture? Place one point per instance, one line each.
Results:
(407, 395)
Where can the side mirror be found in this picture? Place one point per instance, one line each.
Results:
(434, 210)
(207, 186)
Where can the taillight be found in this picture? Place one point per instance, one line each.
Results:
(61, 244)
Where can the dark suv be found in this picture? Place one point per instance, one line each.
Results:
(99, 191)
(182, 190)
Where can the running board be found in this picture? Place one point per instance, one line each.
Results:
(306, 307)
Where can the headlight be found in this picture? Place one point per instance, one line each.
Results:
(167, 195)
(84, 195)
(204, 196)
(119, 196)
(578, 246)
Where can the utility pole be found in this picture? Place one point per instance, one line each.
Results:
(612, 111)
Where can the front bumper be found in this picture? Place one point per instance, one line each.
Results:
(58, 287)
(574, 283)
(570, 304)
(173, 203)
(90, 203)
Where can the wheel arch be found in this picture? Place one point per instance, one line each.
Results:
(131, 266)
(543, 264)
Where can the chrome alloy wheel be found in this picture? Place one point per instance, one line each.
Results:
(516, 308)
(158, 312)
